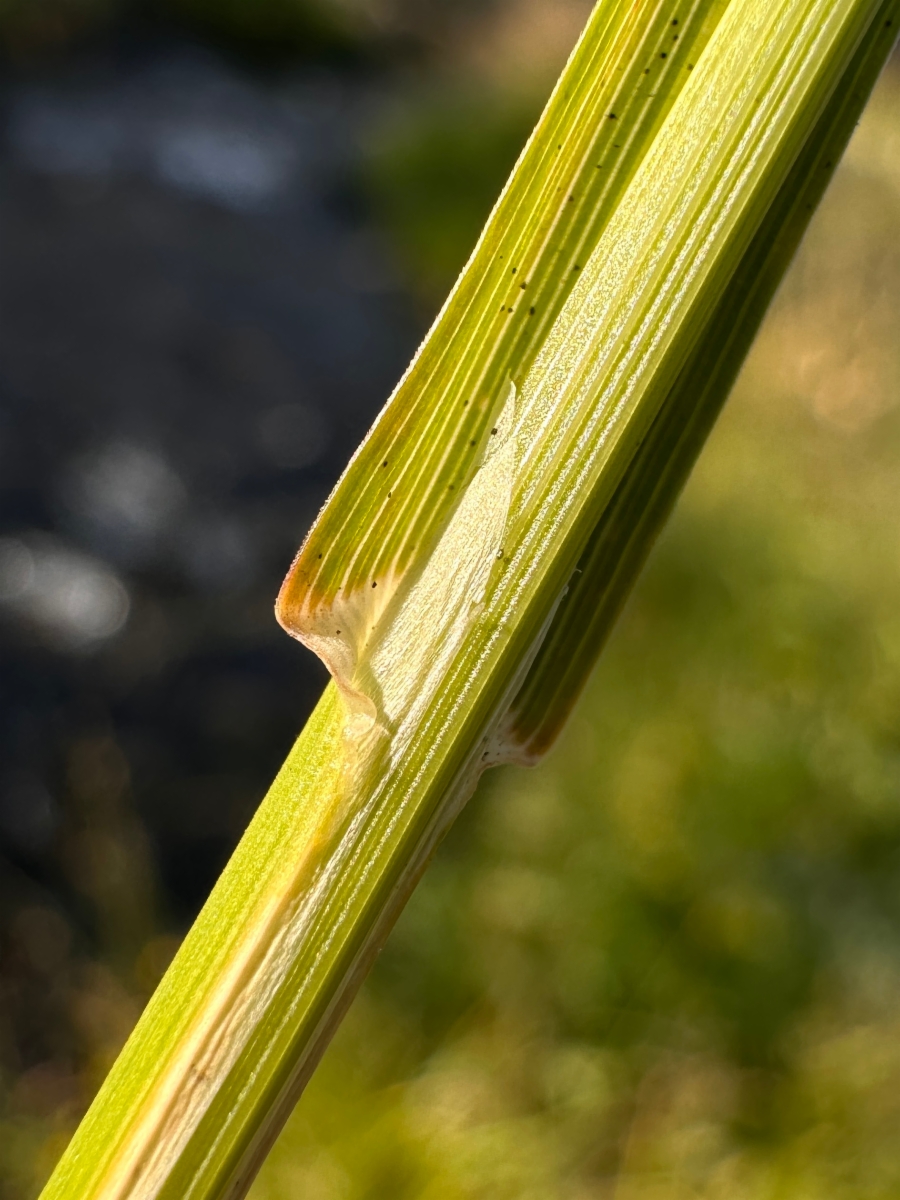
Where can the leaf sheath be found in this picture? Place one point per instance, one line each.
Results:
(651, 289)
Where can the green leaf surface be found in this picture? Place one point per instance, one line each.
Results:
(406, 478)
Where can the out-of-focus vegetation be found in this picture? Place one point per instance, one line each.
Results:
(267, 29)
(273, 32)
(435, 169)
(665, 964)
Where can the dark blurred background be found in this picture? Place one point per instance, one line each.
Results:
(665, 964)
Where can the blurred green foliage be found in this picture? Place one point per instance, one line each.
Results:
(271, 31)
(267, 33)
(434, 169)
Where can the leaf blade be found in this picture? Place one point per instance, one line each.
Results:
(404, 481)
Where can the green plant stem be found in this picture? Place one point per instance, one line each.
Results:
(627, 530)
(609, 408)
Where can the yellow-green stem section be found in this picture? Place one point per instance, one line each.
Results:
(236, 1026)
(626, 532)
